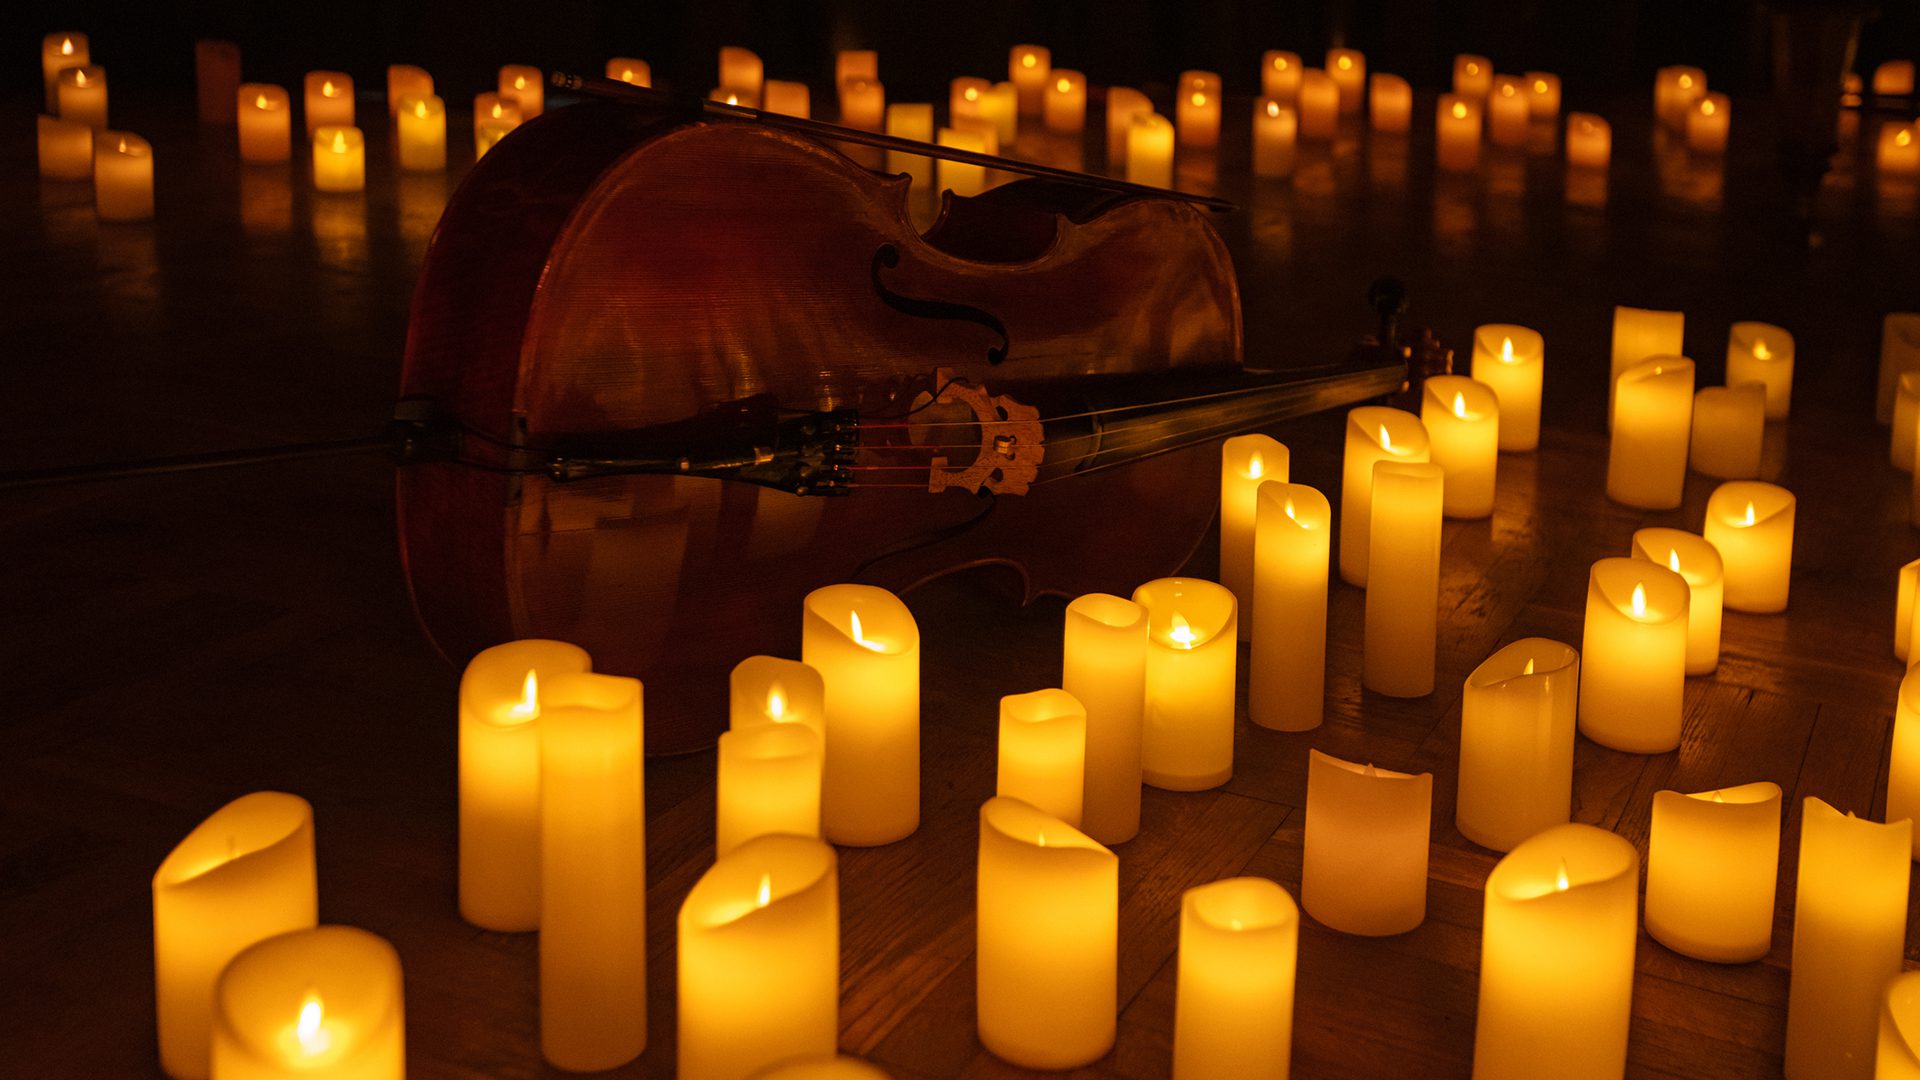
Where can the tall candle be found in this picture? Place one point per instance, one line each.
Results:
(1556, 957)
(1287, 672)
(1457, 133)
(1348, 70)
(1104, 667)
(959, 177)
(866, 646)
(790, 99)
(1403, 584)
(1066, 101)
(1233, 998)
(1280, 73)
(1634, 651)
(1849, 931)
(83, 96)
(759, 960)
(1364, 867)
(1509, 112)
(628, 70)
(122, 177)
(741, 69)
(1707, 122)
(1187, 732)
(1763, 353)
(1276, 136)
(1639, 335)
(1374, 433)
(265, 124)
(1462, 418)
(1472, 76)
(772, 690)
(1318, 103)
(1897, 1057)
(1000, 106)
(1729, 429)
(863, 104)
(423, 134)
(314, 1004)
(768, 783)
(1197, 112)
(1150, 150)
(1698, 564)
(911, 122)
(1516, 743)
(216, 80)
(1543, 94)
(1589, 144)
(1028, 68)
(856, 64)
(1897, 153)
(1899, 354)
(66, 149)
(1390, 104)
(1246, 462)
(329, 100)
(58, 52)
(593, 873)
(1124, 106)
(1047, 949)
(241, 876)
(1653, 417)
(339, 159)
(1751, 523)
(1043, 752)
(1712, 858)
(404, 81)
(1903, 767)
(1511, 361)
(1675, 89)
(490, 108)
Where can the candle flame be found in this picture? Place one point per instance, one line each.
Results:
(1181, 632)
(1717, 798)
(123, 146)
(1639, 600)
(1065, 85)
(66, 46)
(1279, 63)
(1386, 441)
(859, 639)
(1749, 520)
(1706, 108)
(1587, 128)
(1506, 350)
(313, 1038)
(1460, 405)
(1473, 69)
(1041, 839)
(528, 707)
(626, 76)
(79, 77)
(1673, 560)
(1560, 883)
(519, 82)
(1761, 352)
(971, 93)
(766, 891)
(1539, 86)
(1506, 90)
(1459, 111)
(1686, 82)
(1290, 512)
(260, 101)
(420, 109)
(326, 88)
(1199, 99)
(776, 702)
(340, 147)
(1027, 60)
(1345, 62)
(1234, 924)
(1273, 108)
(1903, 137)
(1256, 465)
(498, 112)
(1528, 670)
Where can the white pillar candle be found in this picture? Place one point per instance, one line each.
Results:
(1556, 958)
(1374, 433)
(1233, 998)
(1906, 609)
(1390, 104)
(1653, 417)
(1287, 673)
(1543, 94)
(958, 177)
(1634, 656)
(628, 70)
(1893, 78)
(339, 159)
(1348, 70)
(1675, 89)
(1751, 523)
(1028, 68)
(1462, 418)
(1849, 932)
(490, 108)
(1043, 752)
(1698, 564)
(83, 96)
(1047, 948)
(856, 64)
(759, 959)
(1899, 354)
(122, 177)
(216, 79)
(66, 149)
(1516, 743)
(423, 134)
(1897, 153)
(1150, 150)
(241, 876)
(866, 646)
(772, 690)
(1903, 767)
(1196, 112)
(58, 52)
(1511, 361)
(1280, 73)
(1276, 137)
(964, 97)
(1246, 462)
(404, 81)
(1104, 667)
(593, 873)
(1763, 353)
(768, 783)
(1124, 106)
(1906, 415)
(1318, 103)
(328, 100)
(1589, 142)
(265, 123)
(1364, 867)
(1707, 122)
(1712, 858)
(1639, 335)
(1509, 112)
(1457, 133)
(1472, 76)
(1066, 102)
(741, 69)
(911, 121)
(316, 1004)
(790, 99)
(1897, 1056)
(1729, 430)
(1192, 644)
(1403, 583)
(1000, 106)
(863, 104)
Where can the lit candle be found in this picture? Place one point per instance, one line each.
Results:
(1187, 731)
(1698, 563)
(66, 149)
(866, 646)
(58, 52)
(1391, 104)
(741, 69)
(759, 959)
(959, 177)
(863, 104)
(487, 134)
(522, 85)
(1639, 334)
(1246, 462)
(1043, 752)
(765, 690)
(1556, 957)
(1653, 416)
(1104, 667)
(1066, 101)
(1287, 672)
(1543, 94)
(329, 100)
(1472, 77)
(1197, 115)
(1763, 353)
(1150, 150)
(793, 99)
(1124, 106)
(1457, 133)
(1729, 426)
(216, 79)
(1589, 141)
(1849, 931)
(1511, 361)
(630, 71)
(1904, 610)
(1374, 433)
(1348, 70)
(856, 64)
(1403, 582)
(1899, 354)
(1751, 523)
(1319, 105)
(1462, 418)
(265, 122)
(593, 880)
(339, 159)
(1707, 122)
(423, 134)
(241, 876)
(315, 1004)
(1893, 78)
(1712, 858)
(1364, 867)
(1000, 106)
(769, 782)
(490, 108)
(122, 177)
(83, 96)
(1508, 112)
(823, 1067)
(1675, 89)
(1027, 68)
(403, 81)
(1897, 153)
(1047, 948)
(1898, 1054)
(1233, 999)
(964, 98)
(1516, 743)
(1276, 132)
(1634, 652)
(1903, 767)
(911, 122)
(1280, 73)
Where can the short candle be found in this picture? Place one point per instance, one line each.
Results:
(1509, 112)
(789, 99)
(1893, 78)
(741, 69)
(403, 81)
(1653, 418)
(1318, 103)
(1472, 76)
(1233, 1001)
(1712, 859)
(628, 70)
(83, 96)
(122, 176)
(1028, 68)
(866, 646)
(1543, 94)
(1374, 433)
(329, 101)
(957, 176)
(1348, 70)
(265, 123)
(1390, 104)
(1187, 735)
(1698, 564)
(1751, 523)
(1589, 141)
(964, 98)
(1000, 106)
(1287, 673)
(1276, 137)
(66, 149)
(1403, 582)
(863, 104)
(490, 108)
(773, 690)
(1246, 462)
(1150, 150)
(1707, 122)
(315, 1004)
(768, 783)
(339, 159)
(856, 64)
(1763, 353)
(1364, 868)
(1043, 752)
(1104, 667)
(1462, 418)
(1280, 73)
(1457, 133)
(1634, 656)
(1675, 89)
(1511, 361)
(1516, 743)
(1197, 112)
(1124, 105)
(1066, 102)
(423, 133)
(1897, 153)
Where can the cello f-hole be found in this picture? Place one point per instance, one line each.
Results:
(888, 257)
